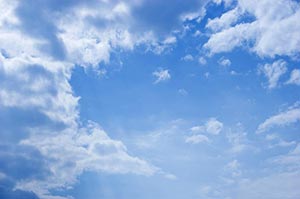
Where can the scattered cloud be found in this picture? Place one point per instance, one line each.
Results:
(269, 34)
(282, 119)
(234, 168)
(182, 92)
(161, 75)
(202, 60)
(188, 57)
(291, 159)
(273, 72)
(237, 137)
(224, 62)
(295, 77)
(283, 185)
(196, 139)
(211, 126)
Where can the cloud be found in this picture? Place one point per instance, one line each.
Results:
(183, 92)
(268, 34)
(72, 151)
(213, 126)
(202, 60)
(161, 75)
(224, 62)
(41, 43)
(237, 137)
(282, 119)
(188, 57)
(225, 21)
(273, 72)
(276, 141)
(234, 168)
(295, 77)
(290, 159)
(196, 139)
(283, 185)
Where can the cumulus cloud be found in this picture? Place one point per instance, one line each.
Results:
(188, 57)
(273, 72)
(72, 151)
(225, 21)
(202, 60)
(196, 139)
(41, 43)
(270, 33)
(224, 62)
(285, 118)
(295, 77)
(211, 126)
(161, 75)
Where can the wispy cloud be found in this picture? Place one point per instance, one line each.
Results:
(161, 75)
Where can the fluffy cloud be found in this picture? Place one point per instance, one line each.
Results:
(224, 62)
(285, 118)
(271, 33)
(295, 77)
(72, 151)
(188, 57)
(196, 139)
(211, 126)
(161, 75)
(41, 42)
(273, 72)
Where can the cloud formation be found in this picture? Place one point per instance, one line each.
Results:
(273, 72)
(161, 75)
(268, 33)
(284, 118)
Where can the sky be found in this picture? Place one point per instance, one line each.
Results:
(146, 99)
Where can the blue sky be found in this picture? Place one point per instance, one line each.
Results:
(149, 99)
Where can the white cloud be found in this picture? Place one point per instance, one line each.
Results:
(202, 60)
(198, 129)
(196, 139)
(74, 150)
(213, 126)
(225, 21)
(170, 176)
(276, 141)
(188, 57)
(295, 77)
(282, 119)
(237, 137)
(271, 33)
(234, 168)
(224, 62)
(273, 72)
(34, 80)
(183, 92)
(161, 75)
